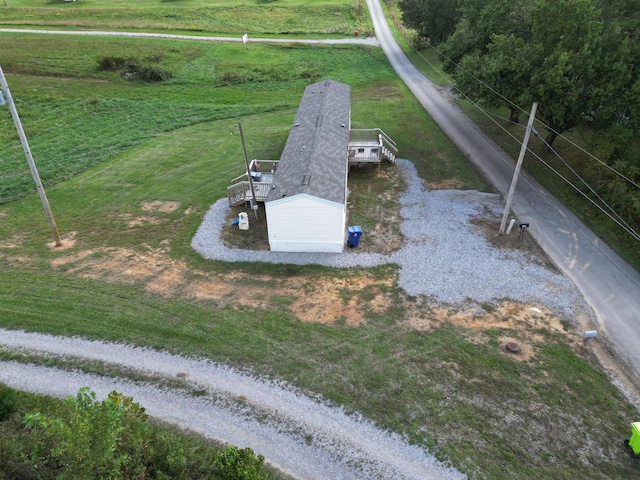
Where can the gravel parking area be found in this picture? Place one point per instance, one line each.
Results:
(445, 257)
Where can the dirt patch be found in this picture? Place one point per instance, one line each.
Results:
(256, 238)
(13, 242)
(132, 221)
(374, 205)
(158, 206)
(519, 238)
(169, 282)
(328, 300)
(115, 264)
(322, 299)
(68, 242)
(524, 324)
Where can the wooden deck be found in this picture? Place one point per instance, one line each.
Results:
(262, 171)
(366, 147)
(370, 147)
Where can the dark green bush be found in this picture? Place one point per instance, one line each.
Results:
(232, 78)
(112, 64)
(133, 69)
(8, 402)
(239, 464)
(149, 73)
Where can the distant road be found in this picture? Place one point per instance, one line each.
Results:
(609, 284)
(199, 38)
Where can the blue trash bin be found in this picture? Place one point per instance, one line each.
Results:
(354, 236)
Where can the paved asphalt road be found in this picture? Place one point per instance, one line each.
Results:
(608, 283)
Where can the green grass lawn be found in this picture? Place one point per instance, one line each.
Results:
(261, 17)
(106, 145)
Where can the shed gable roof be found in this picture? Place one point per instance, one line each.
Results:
(314, 159)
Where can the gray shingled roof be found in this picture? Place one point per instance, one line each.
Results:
(314, 159)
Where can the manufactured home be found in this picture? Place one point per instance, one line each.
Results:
(305, 192)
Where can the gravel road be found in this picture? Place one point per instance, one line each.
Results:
(373, 41)
(303, 436)
(444, 257)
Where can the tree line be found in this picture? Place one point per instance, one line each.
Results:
(580, 59)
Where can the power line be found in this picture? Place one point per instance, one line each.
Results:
(590, 188)
(509, 102)
(618, 219)
(628, 230)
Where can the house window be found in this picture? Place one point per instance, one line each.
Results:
(361, 150)
(374, 150)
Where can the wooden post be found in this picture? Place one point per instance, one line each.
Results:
(254, 202)
(516, 172)
(32, 165)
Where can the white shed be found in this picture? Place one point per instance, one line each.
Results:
(306, 207)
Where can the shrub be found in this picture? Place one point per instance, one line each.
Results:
(239, 464)
(149, 73)
(112, 64)
(133, 69)
(232, 78)
(8, 402)
(90, 439)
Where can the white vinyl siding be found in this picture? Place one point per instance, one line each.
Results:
(305, 224)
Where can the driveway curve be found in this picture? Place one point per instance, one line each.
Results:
(303, 436)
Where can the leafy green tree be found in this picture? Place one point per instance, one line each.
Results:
(433, 20)
(565, 54)
(499, 75)
(90, 439)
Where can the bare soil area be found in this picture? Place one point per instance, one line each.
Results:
(325, 298)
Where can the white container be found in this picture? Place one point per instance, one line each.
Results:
(243, 223)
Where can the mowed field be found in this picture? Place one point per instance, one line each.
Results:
(264, 17)
(132, 165)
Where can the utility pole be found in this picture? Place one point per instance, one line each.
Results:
(254, 203)
(516, 172)
(32, 165)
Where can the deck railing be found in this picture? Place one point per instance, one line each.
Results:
(363, 135)
(262, 173)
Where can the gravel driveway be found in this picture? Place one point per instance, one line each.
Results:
(445, 256)
(303, 436)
